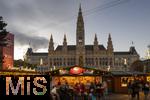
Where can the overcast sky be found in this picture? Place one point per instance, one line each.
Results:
(33, 21)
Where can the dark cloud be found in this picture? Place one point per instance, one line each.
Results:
(35, 42)
(32, 16)
(36, 12)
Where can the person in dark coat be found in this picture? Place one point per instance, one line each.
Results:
(146, 90)
(135, 90)
(130, 88)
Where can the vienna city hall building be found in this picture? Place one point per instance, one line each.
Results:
(95, 55)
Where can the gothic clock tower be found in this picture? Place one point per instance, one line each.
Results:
(80, 40)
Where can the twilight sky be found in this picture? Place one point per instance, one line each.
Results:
(33, 21)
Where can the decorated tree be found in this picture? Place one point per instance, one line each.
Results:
(20, 63)
(3, 41)
(3, 32)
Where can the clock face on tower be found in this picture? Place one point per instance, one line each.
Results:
(80, 40)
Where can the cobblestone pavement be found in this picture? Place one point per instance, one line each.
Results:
(124, 97)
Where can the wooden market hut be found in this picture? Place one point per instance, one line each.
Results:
(118, 80)
(76, 74)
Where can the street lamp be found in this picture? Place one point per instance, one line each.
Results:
(108, 68)
(125, 64)
(54, 67)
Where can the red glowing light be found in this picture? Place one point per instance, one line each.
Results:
(76, 70)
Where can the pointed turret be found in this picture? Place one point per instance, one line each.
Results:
(95, 40)
(51, 45)
(65, 43)
(95, 44)
(65, 40)
(109, 45)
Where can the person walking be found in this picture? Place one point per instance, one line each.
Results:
(146, 90)
(135, 90)
(92, 95)
(105, 86)
(130, 89)
(87, 89)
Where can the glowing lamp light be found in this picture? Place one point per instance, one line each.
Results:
(76, 70)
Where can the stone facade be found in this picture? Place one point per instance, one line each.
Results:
(146, 64)
(95, 55)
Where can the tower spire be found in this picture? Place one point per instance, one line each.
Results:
(65, 40)
(51, 44)
(80, 10)
(95, 44)
(65, 44)
(109, 45)
(80, 29)
(95, 40)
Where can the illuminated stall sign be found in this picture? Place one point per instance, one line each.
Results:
(76, 70)
(81, 71)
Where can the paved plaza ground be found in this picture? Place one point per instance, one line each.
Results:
(124, 97)
(117, 96)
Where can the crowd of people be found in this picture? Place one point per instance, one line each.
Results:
(136, 87)
(80, 91)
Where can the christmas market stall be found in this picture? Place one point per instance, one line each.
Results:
(119, 80)
(76, 74)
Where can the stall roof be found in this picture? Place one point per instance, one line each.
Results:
(127, 73)
(72, 70)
